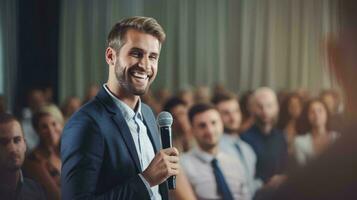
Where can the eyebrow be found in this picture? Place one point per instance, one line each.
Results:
(143, 51)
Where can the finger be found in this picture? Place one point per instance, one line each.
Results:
(174, 166)
(173, 159)
(173, 172)
(171, 151)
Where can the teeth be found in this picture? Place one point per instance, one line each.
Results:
(140, 75)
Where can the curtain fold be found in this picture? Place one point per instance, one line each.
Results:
(8, 50)
(242, 44)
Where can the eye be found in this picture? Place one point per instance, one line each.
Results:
(17, 140)
(153, 57)
(136, 54)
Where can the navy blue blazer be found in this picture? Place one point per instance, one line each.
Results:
(99, 158)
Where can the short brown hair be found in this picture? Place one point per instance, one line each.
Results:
(6, 118)
(199, 108)
(116, 37)
(221, 97)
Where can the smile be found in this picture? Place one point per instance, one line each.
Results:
(139, 75)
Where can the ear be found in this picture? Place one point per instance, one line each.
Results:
(110, 56)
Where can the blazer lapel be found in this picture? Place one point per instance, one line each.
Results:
(128, 139)
(152, 130)
(120, 122)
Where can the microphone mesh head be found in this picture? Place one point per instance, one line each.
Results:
(164, 119)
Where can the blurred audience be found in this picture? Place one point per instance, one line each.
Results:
(48, 93)
(268, 143)
(290, 111)
(35, 99)
(317, 135)
(202, 94)
(44, 164)
(13, 185)
(247, 105)
(187, 96)
(333, 175)
(162, 96)
(332, 100)
(212, 173)
(181, 127)
(91, 93)
(230, 143)
(70, 106)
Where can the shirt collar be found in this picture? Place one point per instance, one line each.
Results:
(204, 156)
(127, 112)
(231, 137)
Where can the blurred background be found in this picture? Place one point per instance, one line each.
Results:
(59, 45)
(52, 62)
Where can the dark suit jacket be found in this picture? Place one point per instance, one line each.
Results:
(99, 158)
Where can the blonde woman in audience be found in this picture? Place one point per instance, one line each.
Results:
(44, 164)
(316, 134)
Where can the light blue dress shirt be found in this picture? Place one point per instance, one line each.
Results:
(143, 145)
(246, 156)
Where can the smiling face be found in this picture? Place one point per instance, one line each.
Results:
(137, 61)
(12, 146)
(49, 130)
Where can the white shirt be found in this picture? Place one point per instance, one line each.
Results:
(141, 139)
(304, 147)
(197, 166)
(247, 158)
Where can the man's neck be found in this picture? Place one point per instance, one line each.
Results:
(9, 179)
(213, 151)
(129, 99)
(231, 132)
(265, 128)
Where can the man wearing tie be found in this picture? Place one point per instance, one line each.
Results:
(212, 173)
(110, 148)
(229, 109)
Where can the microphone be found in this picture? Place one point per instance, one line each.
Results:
(164, 121)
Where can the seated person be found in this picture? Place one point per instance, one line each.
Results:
(44, 164)
(212, 173)
(316, 136)
(229, 109)
(268, 143)
(13, 185)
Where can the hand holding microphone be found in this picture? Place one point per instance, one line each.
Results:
(165, 164)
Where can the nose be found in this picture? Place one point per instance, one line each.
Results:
(11, 147)
(144, 62)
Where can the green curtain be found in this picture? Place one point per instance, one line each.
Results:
(242, 44)
(8, 49)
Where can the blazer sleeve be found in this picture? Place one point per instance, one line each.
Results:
(82, 152)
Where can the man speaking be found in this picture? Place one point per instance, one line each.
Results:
(110, 148)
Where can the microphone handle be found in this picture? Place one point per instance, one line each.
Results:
(166, 140)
